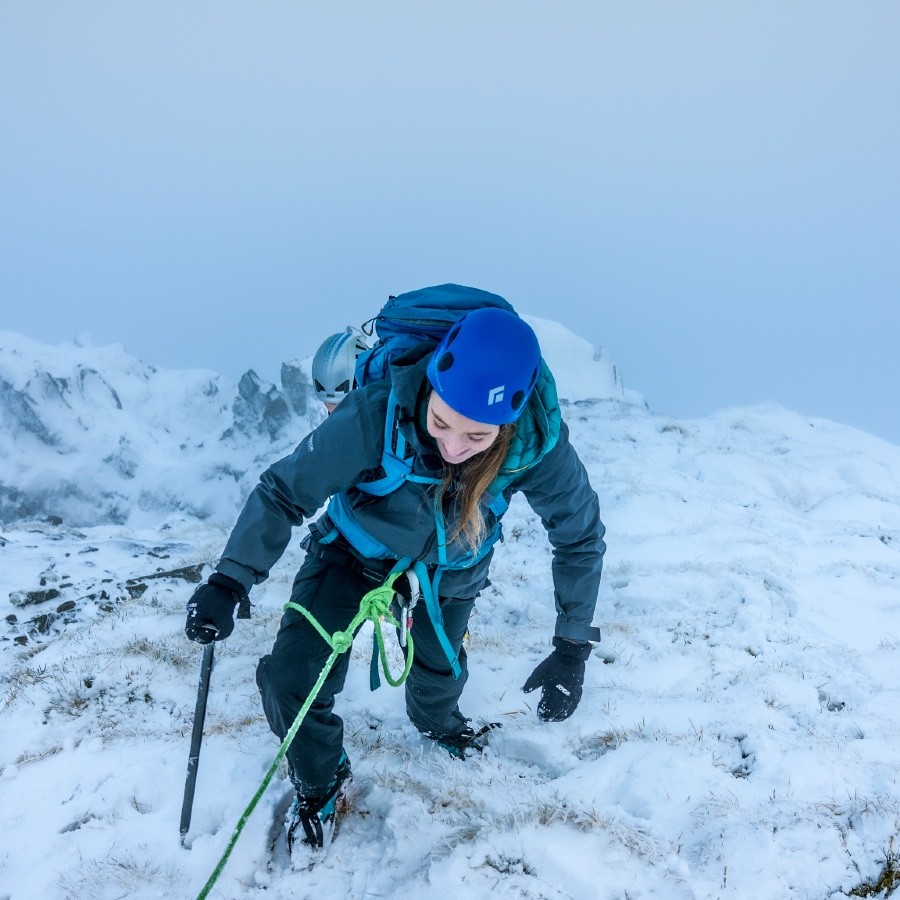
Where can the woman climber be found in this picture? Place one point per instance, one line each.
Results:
(420, 468)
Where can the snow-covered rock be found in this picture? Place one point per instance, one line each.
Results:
(92, 435)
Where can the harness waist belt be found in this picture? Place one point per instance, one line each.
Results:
(341, 556)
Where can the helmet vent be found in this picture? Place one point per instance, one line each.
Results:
(445, 362)
(518, 398)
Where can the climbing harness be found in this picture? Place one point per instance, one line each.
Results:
(343, 524)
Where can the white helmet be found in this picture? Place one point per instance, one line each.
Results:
(334, 366)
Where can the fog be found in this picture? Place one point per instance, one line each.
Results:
(709, 192)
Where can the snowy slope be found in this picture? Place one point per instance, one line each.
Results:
(738, 736)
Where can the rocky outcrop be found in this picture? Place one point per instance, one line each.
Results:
(18, 413)
(260, 408)
(297, 387)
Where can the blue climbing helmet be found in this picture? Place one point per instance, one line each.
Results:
(486, 366)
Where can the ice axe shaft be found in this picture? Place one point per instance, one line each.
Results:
(196, 738)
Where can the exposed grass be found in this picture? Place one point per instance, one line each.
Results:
(596, 745)
(123, 873)
(36, 756)
(173, 651)
(888, 879)
(24, 678)
(233, 725)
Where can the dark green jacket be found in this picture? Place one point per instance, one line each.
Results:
(346, 449)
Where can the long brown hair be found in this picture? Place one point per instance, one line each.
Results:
(466, 483)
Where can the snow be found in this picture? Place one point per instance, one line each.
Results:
(738, 735)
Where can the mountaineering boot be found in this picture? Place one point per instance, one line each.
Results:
(312, 820)
(462, 743)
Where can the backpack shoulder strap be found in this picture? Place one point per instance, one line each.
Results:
(396, 457)
(396, 462)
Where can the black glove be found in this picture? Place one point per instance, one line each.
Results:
(560, 677)
(210, 611)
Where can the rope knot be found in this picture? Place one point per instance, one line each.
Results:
(377, 602)
(342, 641)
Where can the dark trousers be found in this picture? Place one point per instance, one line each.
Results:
(332, 593)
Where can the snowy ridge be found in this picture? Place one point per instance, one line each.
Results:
(92, 435)
(581, 373)
(738, 736)
(95, 435)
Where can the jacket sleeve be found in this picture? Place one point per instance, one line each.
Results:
(332, 458)
(558, 490)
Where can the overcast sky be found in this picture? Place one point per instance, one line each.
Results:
(710, 191)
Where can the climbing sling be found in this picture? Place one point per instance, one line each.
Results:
(374, 606)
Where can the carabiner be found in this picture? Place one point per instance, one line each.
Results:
(407, 606)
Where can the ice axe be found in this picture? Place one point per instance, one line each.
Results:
(196, 738)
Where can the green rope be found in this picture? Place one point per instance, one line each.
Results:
(375, 605)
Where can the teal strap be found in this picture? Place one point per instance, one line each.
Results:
(430, 596)
(374, 677)
(441, 531)
(395, 464)
(429, 587)
(341, 514)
